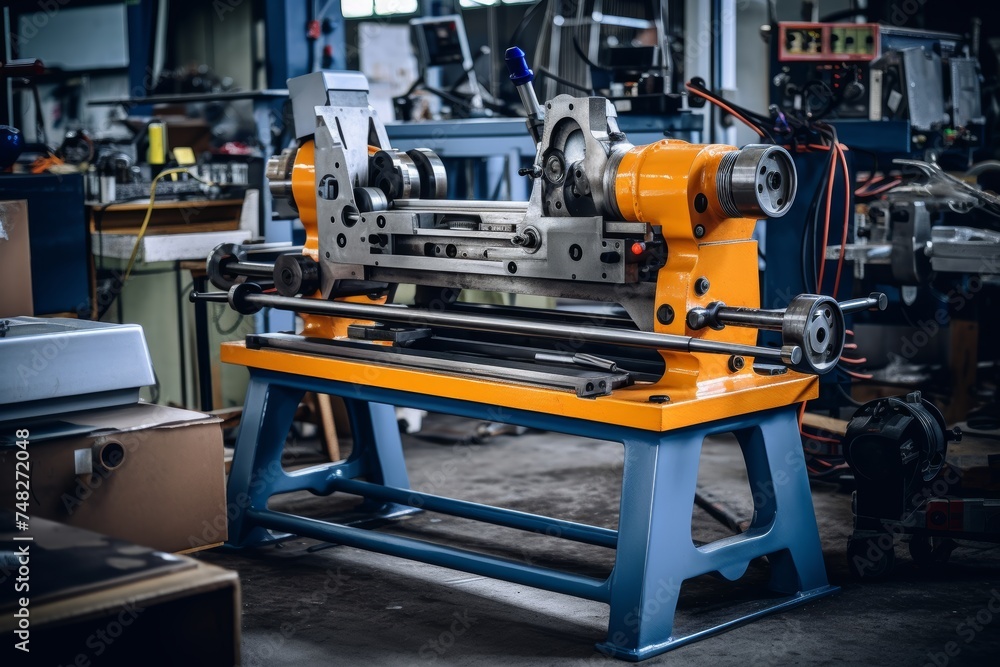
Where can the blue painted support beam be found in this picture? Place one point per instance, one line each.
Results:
(567, 530)
(435, 554)
(141, 22)
(654, 551)
(320, 479)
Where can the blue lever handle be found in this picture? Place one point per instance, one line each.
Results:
(517, 65)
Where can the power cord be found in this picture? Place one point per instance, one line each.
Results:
(149, 213)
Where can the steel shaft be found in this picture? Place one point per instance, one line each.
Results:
(478, 206)
(246, 298)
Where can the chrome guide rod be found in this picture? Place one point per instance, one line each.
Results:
(478, 206)
(247, 299)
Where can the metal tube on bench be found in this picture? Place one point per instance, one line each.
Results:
(874, 300)
(245, 299)
(477, 206)
(250, 269)
(752, 317)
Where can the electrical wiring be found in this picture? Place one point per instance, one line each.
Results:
(585, 59)
(725, 106)
(822, 474)
(850, 399)
(566, 82)
(885, 187)
(826, 224)
(819, 438)
(839, 150)
(525, 20)
(697, 84)
(149, 214)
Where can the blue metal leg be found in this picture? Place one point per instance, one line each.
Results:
(654, 542)
(379, 450)
(777, 471)
(257, 474)
(655, 550)
(377, 444)
(267, 416)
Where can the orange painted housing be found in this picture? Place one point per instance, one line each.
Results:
(659, 184)
(304, 196)
(673, 184)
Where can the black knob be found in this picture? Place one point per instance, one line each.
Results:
(296, 274)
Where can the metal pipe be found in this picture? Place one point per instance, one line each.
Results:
(270, 250)
(717, 315)
(568, 530)
(471, 206)
(874, 300)
(436, 554)
(752, 317)
(246, 298)
(250, 269)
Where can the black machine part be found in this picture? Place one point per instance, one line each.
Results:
(894, 446)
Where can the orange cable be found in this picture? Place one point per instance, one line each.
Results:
(725, 107)
(847, 217)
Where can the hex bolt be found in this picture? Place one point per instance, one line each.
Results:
(701, 286)
(699, 231)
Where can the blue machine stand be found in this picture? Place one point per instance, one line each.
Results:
(654, 549)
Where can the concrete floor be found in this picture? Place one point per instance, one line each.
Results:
(342, 606)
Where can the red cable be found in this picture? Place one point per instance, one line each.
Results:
(819, 438)
(726, 107)
(847, 217)
(826, 228)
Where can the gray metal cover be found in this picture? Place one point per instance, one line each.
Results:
(924, 88)
(53, 365)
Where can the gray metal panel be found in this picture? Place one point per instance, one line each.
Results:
(45, 360)
(924, 88)
(965, 250)
(310, 91)
(966, 98)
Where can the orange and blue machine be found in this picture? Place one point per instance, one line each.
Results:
(661, 231)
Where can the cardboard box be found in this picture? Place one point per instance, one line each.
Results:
(95, 600)
(148, 474)
(15, 260)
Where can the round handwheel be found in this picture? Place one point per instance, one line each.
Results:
(816, 324)
(222, 255)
